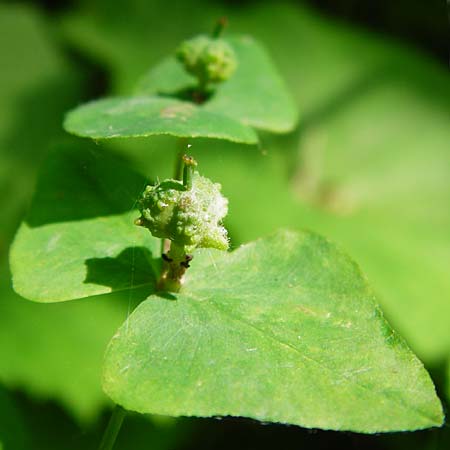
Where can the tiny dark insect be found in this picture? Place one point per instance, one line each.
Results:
(166, 258)
(187, 261)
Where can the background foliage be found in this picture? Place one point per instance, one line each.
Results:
(367, 166)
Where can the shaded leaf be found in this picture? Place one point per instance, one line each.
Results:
(58, 349)
(79, 239)
(147, 116)
(36, 86)
(13, 433)
(284, 329)
(255, 94)
(31, 424)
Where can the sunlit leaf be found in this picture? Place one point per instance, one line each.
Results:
(147, 116)
(255, 94)
(284, 329)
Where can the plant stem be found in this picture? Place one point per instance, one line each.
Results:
(182, 149)
(177, 175)
(113, 428)
(220, 25)
(189, 164)
(176, 262)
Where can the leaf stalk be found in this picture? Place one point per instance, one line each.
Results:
(113, 428)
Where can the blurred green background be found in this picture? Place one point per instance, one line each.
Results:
(368, 166)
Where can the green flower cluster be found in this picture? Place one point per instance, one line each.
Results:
(189, 217)
(211, 60)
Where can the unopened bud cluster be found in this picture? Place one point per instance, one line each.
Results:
(210, 59)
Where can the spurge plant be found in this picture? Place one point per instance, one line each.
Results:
(284, 329)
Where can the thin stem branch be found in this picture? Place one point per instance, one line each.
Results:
(177, 175)
(220, 26)
(189, 164)
(113, 428)
(182, 149)
(175, 260)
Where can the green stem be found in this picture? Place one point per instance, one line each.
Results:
(113, 428)
(175, 266)
(188, 169)
(182, 149)
(187, 177)
(177, 175)
(202, 91)
(220, 26)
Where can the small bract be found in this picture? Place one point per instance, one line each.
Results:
(188, 216)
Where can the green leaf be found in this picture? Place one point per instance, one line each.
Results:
(368, 167)
(127, 47)
(41, 350)
(79, 239)
(255, 95)
(148, 116)
(284, 329)
(374, 189)
(374, 127)
(36, 87)
(80, 242)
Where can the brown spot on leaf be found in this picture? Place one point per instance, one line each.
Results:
(181, 112)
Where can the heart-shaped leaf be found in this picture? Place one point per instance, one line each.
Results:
(148, 116)
(79, 239)
(284, 329)
(255, 95)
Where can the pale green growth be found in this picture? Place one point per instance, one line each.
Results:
(190, 218)
(189, 215)
(211, 60)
